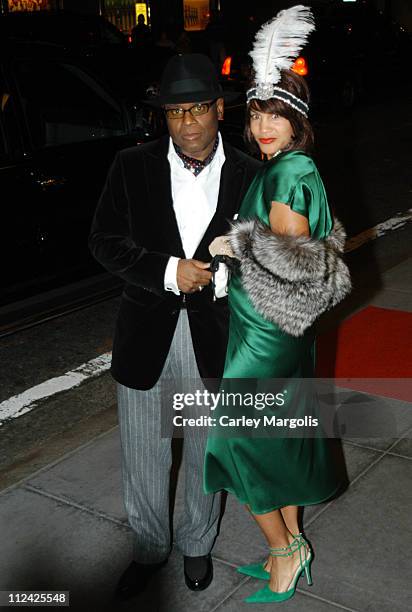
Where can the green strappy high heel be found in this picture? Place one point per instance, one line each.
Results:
(257, 570)
(266, 595)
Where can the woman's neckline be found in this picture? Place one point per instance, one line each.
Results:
(276, 154)
(282, 152)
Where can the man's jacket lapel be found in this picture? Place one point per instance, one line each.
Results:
(160, 192)
(230, 192)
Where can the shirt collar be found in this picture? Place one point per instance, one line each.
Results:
(219, 156)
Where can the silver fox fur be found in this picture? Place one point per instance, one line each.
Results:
(290, 280)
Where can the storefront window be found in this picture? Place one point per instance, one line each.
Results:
(30, 5)
(196, 14)
(123, 13)
(141, 9)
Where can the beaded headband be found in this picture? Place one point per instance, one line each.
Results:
(276, 46)
(258, 93)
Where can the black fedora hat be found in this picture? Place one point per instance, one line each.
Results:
(190, 77)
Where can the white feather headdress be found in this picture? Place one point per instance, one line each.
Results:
(276, 46)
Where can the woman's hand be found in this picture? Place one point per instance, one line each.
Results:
(220, 246)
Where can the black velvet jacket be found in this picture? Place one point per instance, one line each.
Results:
(134, 232)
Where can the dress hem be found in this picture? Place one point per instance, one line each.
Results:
(272, 508)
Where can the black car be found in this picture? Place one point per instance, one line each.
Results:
(94, 41)
(60, 127)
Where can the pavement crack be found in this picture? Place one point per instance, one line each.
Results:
(328, 601)
(73, 504)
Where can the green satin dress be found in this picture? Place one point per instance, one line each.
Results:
(269, 473)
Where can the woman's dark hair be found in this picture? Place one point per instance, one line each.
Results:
(303, 134)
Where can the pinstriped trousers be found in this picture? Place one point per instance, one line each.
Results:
(145, 417)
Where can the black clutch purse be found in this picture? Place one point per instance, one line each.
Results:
(231, 263)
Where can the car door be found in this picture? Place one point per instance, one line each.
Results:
(20, 240)
(73, 127)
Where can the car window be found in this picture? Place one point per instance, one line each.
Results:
(10, 143)
(64, 104)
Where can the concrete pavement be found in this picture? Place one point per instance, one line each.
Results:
(64, 527)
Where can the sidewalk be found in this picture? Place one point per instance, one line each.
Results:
(65, 528)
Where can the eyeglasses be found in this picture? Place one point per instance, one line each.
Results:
(201, 108)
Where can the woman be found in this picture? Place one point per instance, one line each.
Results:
(281, 288)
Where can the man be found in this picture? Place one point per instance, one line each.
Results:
(140, 32)
(162, 205)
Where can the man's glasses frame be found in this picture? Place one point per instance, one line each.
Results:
(201, 108)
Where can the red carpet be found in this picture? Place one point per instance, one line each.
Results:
(374, 343)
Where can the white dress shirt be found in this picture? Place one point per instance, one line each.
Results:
(194, 203)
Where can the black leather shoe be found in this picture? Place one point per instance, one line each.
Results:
(136, 578)
(198, 572)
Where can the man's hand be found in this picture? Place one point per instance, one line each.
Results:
(192, 275)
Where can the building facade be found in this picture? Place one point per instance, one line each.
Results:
(191, 15)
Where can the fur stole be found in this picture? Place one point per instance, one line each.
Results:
(290, 280)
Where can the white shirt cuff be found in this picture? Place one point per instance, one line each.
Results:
(221, 281)
(170, 279)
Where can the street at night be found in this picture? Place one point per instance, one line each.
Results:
(64, 524)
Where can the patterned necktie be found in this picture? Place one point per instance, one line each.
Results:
(195, 166)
